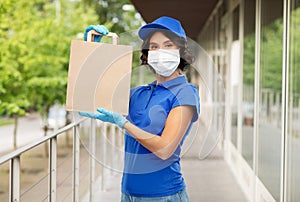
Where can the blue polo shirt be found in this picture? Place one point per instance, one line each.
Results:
(145, 174)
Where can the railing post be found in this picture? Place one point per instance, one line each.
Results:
(14, 187)
(92, 158)
(104, 154)
(112, 147)
(52, 169)
(119, 143)
(76, 156)
(15, 164)
(278, 117)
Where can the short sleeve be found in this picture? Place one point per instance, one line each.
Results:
(188, 95)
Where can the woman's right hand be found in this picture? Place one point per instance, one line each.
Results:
(98, 28)
(106, 116)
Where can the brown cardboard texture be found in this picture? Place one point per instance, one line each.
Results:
(99, 76)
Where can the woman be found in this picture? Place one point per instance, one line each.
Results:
(160, 117)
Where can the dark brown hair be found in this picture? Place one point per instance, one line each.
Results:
(186, 57)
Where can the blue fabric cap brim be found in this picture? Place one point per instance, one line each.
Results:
(165, 23)
(146, 30)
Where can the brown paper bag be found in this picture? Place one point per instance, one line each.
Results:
(99, 76)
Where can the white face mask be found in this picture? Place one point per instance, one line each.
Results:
(164, 62)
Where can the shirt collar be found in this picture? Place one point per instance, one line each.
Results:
(173, 82)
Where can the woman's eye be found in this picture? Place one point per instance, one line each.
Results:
(153, 47)
(169, 45)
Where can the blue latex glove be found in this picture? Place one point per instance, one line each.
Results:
(98, 28)
(106, 116)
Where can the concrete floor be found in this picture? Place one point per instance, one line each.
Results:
(208, 180)
(211, 180)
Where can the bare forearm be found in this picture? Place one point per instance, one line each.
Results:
(148, 140)
(175, 127)
(156, 144)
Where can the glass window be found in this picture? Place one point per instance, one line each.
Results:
(248, 81)
(235, 73)
(269, 128)
(293, 180)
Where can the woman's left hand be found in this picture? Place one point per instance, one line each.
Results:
(98, 28)
(106, 116)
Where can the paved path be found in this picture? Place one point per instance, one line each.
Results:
(211, 180)
(30, 128)
(208, 180)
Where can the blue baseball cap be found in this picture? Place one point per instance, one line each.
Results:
(162, 23)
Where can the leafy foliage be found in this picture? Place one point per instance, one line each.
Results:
(35, 39)
(294, 74)
(249, 59)
(271, 55)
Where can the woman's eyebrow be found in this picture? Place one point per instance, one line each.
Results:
(151, 43)
(168, 41)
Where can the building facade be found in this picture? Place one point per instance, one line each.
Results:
(255, 48)
(253, 80)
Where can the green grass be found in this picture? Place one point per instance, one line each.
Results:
(6, 122)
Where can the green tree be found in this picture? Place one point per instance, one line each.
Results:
(294, 74)
(119, 15)
(34, 52)
(271, 56)
(13, 94)
(35, 39)
(249, 59)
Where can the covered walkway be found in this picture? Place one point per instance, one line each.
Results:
(209, 180)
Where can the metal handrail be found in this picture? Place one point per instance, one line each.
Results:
(15, 164)
(41, 140)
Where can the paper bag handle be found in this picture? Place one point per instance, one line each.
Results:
(92, 33)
